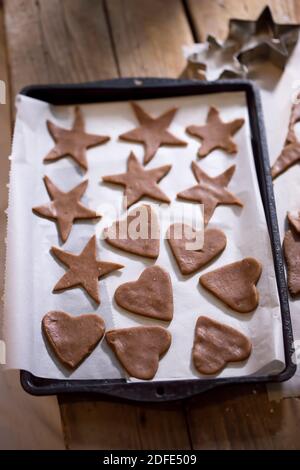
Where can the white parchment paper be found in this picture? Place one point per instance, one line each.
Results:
(32, 272)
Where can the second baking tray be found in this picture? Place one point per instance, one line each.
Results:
(135, 89)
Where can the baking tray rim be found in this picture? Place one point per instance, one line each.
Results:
(149, 88)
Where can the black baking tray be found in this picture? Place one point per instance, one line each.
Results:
(128, 89)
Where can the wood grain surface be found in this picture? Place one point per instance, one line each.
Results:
(211, 17)
(77, 40)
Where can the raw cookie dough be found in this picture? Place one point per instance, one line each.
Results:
(72, 338)
(294, 220)
(216, 344)
(65, 207)
(210, 191)
(235, 284)
(151, 295)
(73, 142)
(152, 131)
(139, 182)
(216, 133)
(138, 233)
(139, 349)
(189, 260)
(84, 269)
(290, 153)
(291, 248)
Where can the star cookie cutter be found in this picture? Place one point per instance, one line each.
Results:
(247, 42)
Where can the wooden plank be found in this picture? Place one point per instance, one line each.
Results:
(105, 425)
(57, 41)
(148, 36)
(65, 41)
(240, 417)
(211, 16)
(243, 418)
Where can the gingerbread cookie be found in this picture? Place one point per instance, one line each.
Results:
(235, 284)
(72, 339)
(139, 182)
(191, 260)
(216, 133)
(84, 269)
(291, 248)
(138, 234)
(210, 191)
(294, 220)
(139, 349)
(73, 142)
(216, 345)
(65, 207)
(151, 295)
(290, 153)
(294, 118)
(152, 132)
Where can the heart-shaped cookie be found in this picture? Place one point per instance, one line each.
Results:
(72, 338)
(216, 344)
(139, 348)
(190, 260)
(235, 284)
(137, 234)
(151, 295)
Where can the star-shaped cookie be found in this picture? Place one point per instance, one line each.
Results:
(65, 207)
(139, 182)
(84, 269)
(216, 133)
(73, 142)
(290, 153)
(210, 191)
(294, 220)
(152, 131)
(289, 156)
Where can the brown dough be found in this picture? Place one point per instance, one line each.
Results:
(188, 260)
(235, 284)
(84, 269)
(290, 153)
(139, 349)
(152, 132)
(294, 118)
(139, 182)
(210, 191)
(291, 248)
(216, 344)
(120, 236)
(72, 338)
(65, 207)
(216, 133)
(151, 295)
(294, 220)
(73, 142)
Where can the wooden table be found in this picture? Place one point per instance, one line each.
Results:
(44, 41)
